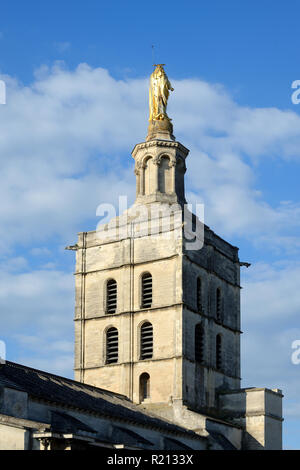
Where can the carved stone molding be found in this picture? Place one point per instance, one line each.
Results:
(160, 143)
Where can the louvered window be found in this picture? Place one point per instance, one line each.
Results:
(199, 343)
(218, 351)
(199, 295)
(218, 305)
(146, 341)
(144, 386)
(111, 296)
(146, 290)
(112, 345)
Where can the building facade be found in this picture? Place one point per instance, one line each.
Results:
(157, 314)
(157, 330)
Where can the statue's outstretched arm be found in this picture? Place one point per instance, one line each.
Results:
(170, 86)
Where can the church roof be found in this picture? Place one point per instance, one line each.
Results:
(69, 393)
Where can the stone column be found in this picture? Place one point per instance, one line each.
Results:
(155, 185)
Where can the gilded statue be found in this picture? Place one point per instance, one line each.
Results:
(159, 94)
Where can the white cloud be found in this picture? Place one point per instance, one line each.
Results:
(39, 300)
(270, 320)
(60, 364)
(266, 362)
(50, 133)
(224, 138)
(37, 319)
(208, 115)
(13, 264)
(40, 251)
(67, 140)
(271, 292)
(62, 46)
(38, 344)
(65, 146)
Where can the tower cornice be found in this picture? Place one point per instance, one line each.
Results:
(160, 143)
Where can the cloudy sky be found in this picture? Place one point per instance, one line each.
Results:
(76, 79)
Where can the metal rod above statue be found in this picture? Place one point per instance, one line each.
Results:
(160, 126)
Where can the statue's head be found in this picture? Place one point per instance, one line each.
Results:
(159, 71)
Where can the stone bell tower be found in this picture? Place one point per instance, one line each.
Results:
(160, 168)
(157, 317)
(154, 320)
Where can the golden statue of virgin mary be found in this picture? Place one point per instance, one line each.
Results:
(159, 94)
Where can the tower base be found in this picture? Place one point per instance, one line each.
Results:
(162, 129)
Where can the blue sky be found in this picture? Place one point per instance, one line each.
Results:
(77, 77)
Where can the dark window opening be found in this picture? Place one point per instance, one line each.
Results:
(218, 305)
(112, 345)
(219, 352)
(144, 386)
(146, 290)
(111, 296)
(199, 295)
(199, 343)
(146, 341)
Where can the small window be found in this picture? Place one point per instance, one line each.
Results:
(165, 175)
(111, 296)
(218, 304)
(199, 343)
(199, 294)
(218, 352)
(146, 341)
(146, 290)
(112, 345)
(144, 386)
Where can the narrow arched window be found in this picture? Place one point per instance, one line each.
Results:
(111, 296)
(164, 175)
(149, 176)
(199, 343)
(146, 290)
(144, 386)
(199, 294)
(112, 345)
(146, 341)
(218, 351)
(218, 304)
